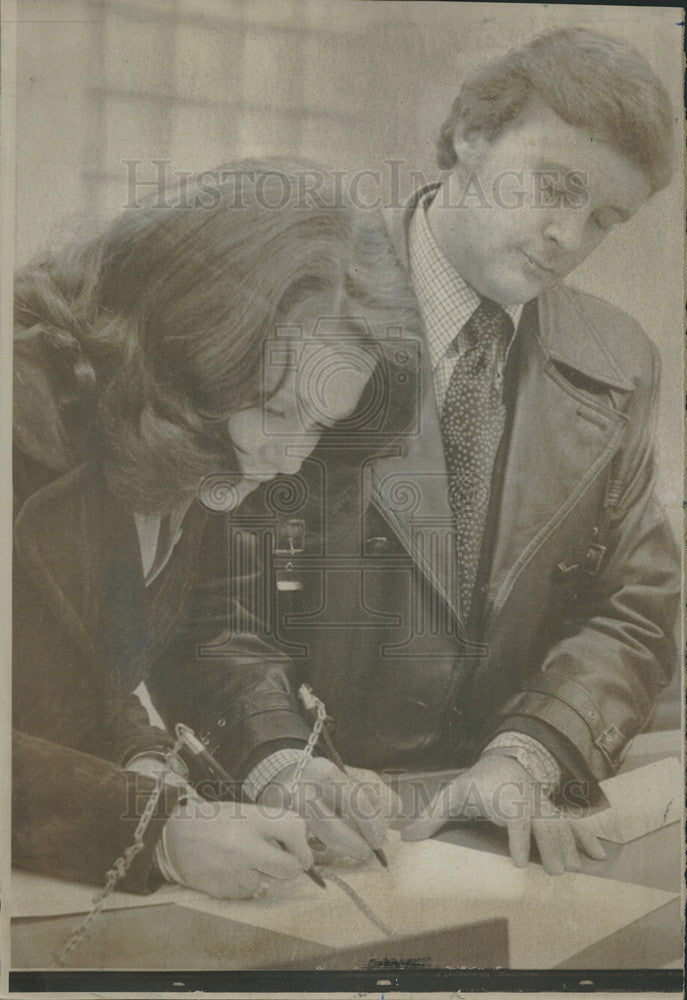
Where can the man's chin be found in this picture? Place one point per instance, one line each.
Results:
(521, 291)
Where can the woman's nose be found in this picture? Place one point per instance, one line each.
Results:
(290, 464)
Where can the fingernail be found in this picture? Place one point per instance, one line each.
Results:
(315, 844)
(360, 858)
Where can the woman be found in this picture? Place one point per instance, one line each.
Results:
(145, 362)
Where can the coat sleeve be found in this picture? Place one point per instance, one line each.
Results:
(74, 809)
(221, 675)
(597, 686)
(74, 814)
(58, 690)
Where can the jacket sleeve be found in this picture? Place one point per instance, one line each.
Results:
(74, 810)
(58, 691)
(73, 814)
(597, 686)
(220, 675)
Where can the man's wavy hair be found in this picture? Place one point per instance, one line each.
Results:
(590, 80)
(154, 331)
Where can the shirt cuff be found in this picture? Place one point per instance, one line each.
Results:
(534, 757)
(151, 763)
(265, 770)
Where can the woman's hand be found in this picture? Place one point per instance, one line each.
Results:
(231, 850)
(347, 814)
(499, 789)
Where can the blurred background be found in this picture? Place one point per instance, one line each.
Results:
(353, 84)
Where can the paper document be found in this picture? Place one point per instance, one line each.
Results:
(640, 801)
(431, 885)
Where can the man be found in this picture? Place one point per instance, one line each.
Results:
(511, 591)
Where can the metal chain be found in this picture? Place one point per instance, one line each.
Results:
(366, 910)
(122, 864)
(312, 702)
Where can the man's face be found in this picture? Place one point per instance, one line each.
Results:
(520, 213)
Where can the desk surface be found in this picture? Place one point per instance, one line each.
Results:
(139, 937)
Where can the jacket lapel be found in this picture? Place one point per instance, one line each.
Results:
(410, 488)
(561, 439)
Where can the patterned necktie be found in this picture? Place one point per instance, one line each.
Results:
(472, 423)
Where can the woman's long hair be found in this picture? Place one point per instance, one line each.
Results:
(155, 329)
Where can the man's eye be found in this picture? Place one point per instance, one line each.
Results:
(275, 413)
(602, 222)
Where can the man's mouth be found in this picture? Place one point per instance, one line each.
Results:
(538, 266)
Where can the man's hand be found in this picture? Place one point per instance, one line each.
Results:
(347, 814)
(499, 789)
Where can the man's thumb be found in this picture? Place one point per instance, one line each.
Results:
(423, 826)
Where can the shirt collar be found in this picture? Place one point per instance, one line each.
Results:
(446, 313)
(156, 545)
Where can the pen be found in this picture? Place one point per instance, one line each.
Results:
(377, 851)
(230, 787)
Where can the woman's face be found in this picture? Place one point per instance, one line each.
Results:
(319, 383)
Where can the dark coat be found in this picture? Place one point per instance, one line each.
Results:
(580, 573)
(87, 632)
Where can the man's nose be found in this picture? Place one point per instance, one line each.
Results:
(565, 228)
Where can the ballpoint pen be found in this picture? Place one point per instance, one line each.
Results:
(377, 851)
(314, 704)
(228, 788)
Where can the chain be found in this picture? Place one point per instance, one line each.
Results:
(311, 702)
(366, 910)
(122, 864)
